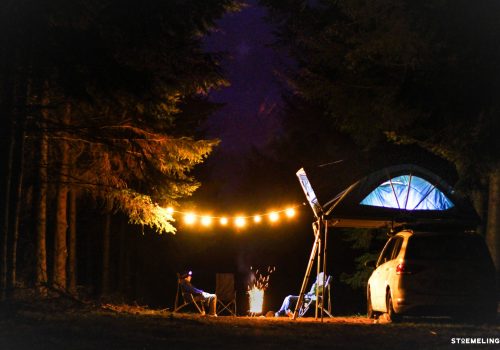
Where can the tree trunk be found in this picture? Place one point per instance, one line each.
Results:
(479, 200)
(6, 109)
(61, 225)
(72, 272)
(19, 128)
(90, 260)
(493, 224)
(6, 215)
(12, 278)
(7, 104)
(105, 256)
(41, 203)
(122, 261)
(60, 246)
(138, 265)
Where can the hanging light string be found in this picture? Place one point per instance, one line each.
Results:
(192, 218)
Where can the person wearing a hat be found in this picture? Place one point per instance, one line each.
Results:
(209, 299)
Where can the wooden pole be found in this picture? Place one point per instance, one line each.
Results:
(325, 241)
(317, 233)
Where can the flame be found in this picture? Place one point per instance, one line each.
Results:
(256, 292)
(256, 298)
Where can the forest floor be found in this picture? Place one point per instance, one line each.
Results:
(49, 325)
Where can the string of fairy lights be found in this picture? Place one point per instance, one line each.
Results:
(192, 218)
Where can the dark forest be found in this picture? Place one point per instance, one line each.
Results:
(105, 110)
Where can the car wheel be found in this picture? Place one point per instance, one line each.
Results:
(369, 308)
(392, 315)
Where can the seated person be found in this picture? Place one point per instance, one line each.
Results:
(291, 300)
(208, 299)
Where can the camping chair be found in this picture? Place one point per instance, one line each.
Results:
(226, 295)
(310, 301)
(187, 299)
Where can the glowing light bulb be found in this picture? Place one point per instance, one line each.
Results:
(240, 221)
(274, 217)
(170, 210)
(257, 219)
(290, 212)
(223, 221)
(206, 220)
(190, 218)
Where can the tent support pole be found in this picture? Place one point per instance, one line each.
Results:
(320, 228)
(314, 252)
(318, 270)
(324, 272)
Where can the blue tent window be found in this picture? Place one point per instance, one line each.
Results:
(409, 193)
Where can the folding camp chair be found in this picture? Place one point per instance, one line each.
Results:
(187, 299)
(309, 301)
(226, 294)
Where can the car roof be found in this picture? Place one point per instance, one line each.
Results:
(449, 232)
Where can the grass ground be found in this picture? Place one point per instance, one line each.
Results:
(45, 326)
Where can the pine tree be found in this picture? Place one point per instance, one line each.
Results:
(421, 73)
(106, 84)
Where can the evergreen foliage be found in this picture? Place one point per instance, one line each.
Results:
(126, 70)
(367, 243)
(109, 96)
(419, 73)
(413, 72)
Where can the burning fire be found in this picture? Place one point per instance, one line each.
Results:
(256, 297)
(256, 292)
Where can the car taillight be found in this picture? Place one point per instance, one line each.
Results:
(402, 269)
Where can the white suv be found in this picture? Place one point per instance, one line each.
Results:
(433, 273)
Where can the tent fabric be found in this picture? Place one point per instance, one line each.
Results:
(408, 192)
(395, 195)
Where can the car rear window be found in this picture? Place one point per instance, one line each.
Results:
(446, 247)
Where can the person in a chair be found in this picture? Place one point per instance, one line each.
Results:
(208, 299)
(291, 301)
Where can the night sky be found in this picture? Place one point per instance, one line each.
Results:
(249, 117)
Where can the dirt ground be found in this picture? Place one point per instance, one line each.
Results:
(126, 328)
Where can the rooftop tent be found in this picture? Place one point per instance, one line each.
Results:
(408, 192)
(392, 196)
